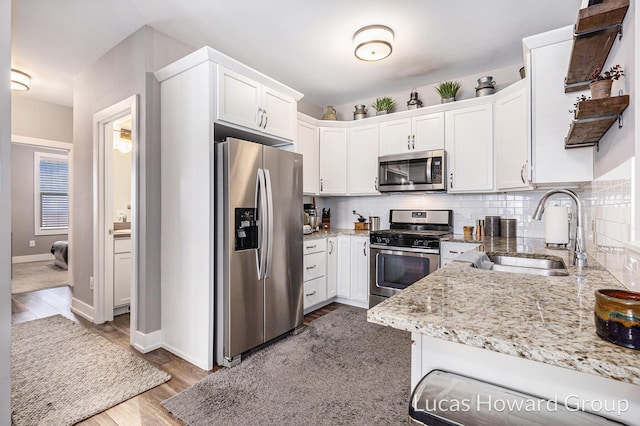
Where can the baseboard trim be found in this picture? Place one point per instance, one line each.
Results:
(197, 362)
(82, 309)
(32, 258)
(351, 302)
(146, 342)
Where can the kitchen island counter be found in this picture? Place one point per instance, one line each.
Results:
(538, 318)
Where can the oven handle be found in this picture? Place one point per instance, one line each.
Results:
(393, 250)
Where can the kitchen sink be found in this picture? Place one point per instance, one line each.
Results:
(549, 266)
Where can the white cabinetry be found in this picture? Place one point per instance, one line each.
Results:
(469, 146)
(511, 137)
(420, 133)
(332, 267)
(315, 271)
(248, 103)
(353, 271)
(450, 250)
(547, 59)
(307, 145)
(121, 272)
(363, 160)
(333, 160)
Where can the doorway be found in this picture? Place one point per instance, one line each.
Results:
(115, 211)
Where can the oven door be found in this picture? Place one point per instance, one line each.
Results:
(394, 269)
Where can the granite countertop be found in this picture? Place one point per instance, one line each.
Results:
(334, 232)
(544, 319)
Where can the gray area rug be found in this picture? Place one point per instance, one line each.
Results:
(341, 370)
(62, 373)
(34, 276)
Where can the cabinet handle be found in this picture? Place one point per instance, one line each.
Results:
(310, 267)
(261, 116)
(375, 183)
(310, 247)
(409, 142)
(526, 171)
(266, 115)
(330, 247)
(364, 249)
(522, 173)
(321, 185)
(413, 141)
(455, 252)
(311, 294)
(451, 180)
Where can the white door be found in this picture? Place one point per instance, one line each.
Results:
(469, 145)
(307, 145)
(279, 114)
(428, 132)
(333, 161)
(121, 279)
(363, 160)
(395, 136)
(344, 267)
(360, 269)
(332, 267)
(512, 142)
(239, 99)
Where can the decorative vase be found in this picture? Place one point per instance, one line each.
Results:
(330, 114)
(383, 112)
(600, 89)
(447, 100)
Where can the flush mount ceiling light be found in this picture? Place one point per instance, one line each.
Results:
(373, 43)
(20, 80)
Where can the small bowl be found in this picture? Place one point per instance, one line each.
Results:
(617, 317)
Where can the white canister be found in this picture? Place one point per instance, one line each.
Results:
(556, 225)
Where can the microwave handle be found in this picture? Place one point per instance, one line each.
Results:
(429, 176)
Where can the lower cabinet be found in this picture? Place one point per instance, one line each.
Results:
(450, 250)
(121, 272)
(332, 267)
(353, 270)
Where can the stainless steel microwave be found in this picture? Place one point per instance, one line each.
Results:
(416, 171)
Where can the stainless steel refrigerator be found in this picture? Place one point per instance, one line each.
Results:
(258, 234)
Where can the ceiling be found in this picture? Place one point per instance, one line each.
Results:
(306, 45)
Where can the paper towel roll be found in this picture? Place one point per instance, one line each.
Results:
(556, 225)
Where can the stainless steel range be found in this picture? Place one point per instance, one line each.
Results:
(407, 252)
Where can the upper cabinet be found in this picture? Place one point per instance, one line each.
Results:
(469, 146)
(419, 133)
(333, 160)
(307, 145)
(546, 59)
(363, 160)
(511, 138)
(245, 102)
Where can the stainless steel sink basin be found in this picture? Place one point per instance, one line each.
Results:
(550, 266)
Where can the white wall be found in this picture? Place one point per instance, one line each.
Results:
(5, 219)
(39, 119)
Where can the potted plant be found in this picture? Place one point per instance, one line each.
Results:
(448, 90)
(601, 82)
(384, 105)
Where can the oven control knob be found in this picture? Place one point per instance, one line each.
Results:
(418, 243)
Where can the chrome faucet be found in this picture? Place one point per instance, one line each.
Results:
(579, 253)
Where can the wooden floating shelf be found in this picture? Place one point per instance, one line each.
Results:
(593, 118)
(594, 35)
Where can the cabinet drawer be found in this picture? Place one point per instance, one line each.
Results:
(315, 265)
(315, 291)
(122, 245)
(314, 246)
(449, 251)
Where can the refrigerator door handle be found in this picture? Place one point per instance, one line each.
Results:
(269, 257)
(261, 204)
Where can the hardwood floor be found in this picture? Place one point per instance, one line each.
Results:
(144, 409)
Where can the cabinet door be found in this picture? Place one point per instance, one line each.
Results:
(344, 267)
(239, 98)
(307, 145)
(279, 114)
(395, 136)
(333, 161)
(469, 145)
(512, 142)
(332, 267)
(428, 132)
(360, 269)
(121, 279)
(363, 160)
(550, 118)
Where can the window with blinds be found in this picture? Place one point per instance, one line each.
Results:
(52, 193)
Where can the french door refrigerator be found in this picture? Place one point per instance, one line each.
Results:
(258, 234)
